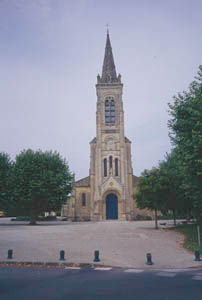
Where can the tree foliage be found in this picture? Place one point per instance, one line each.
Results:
(171, 180)
(5, 174)
(178, 179)
(149, 193)
(42, 182)
(186, 134)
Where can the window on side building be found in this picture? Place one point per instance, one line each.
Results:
(83, 199)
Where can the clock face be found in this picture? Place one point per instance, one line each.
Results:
(110, 142)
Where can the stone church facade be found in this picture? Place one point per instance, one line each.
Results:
(107, 192)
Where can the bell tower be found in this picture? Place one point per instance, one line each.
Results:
(107, 192)
(110, 167)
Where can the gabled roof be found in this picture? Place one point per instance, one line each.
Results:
(84, 182)
(127, 140)
(135, 180)
(94, 140)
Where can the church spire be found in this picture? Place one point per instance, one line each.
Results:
(108, 69)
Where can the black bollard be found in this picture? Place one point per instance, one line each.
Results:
(10, 254)
(62, 255)
(149, 259)
(197, 255)
(96, 256)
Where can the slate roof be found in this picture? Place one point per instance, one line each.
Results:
(135, 180)
(94, 140)
(108, 69)
(127, 140)
(84, 182)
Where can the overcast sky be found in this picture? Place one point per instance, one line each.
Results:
(51, 52)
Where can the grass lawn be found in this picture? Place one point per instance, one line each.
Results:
(191, 236)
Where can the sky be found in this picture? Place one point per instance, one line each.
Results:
(51, 52)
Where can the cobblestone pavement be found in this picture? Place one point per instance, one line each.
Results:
(123, 244)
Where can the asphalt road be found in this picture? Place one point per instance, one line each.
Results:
(115, 284)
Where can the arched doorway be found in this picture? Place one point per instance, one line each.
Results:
(111, 207)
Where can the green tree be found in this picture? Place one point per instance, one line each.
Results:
(170, 177)
(186, 134)
(5, 172)
(42, 182)
(149, 192)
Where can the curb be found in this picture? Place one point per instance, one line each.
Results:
(54, 264)
(79, 265)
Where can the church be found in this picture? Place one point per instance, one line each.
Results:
(107, 192)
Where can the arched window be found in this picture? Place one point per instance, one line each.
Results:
(112, 111)
(109, 111)
(105, 167)
(83, 199)
(116, 167)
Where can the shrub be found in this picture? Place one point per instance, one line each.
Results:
(170, 217)
(143, 218)
(40, 218)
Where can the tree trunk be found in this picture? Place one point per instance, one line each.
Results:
(156, 219)
(174, 217)
(32, 222)
(200, 218)
(33, 218)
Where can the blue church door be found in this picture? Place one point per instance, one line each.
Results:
(111, 207)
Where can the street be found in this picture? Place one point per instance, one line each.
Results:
(120, 284)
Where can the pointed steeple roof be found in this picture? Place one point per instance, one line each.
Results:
(108, 69)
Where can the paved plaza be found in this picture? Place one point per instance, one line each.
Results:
(122, 244)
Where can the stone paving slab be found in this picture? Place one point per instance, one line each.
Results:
(122, 244)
